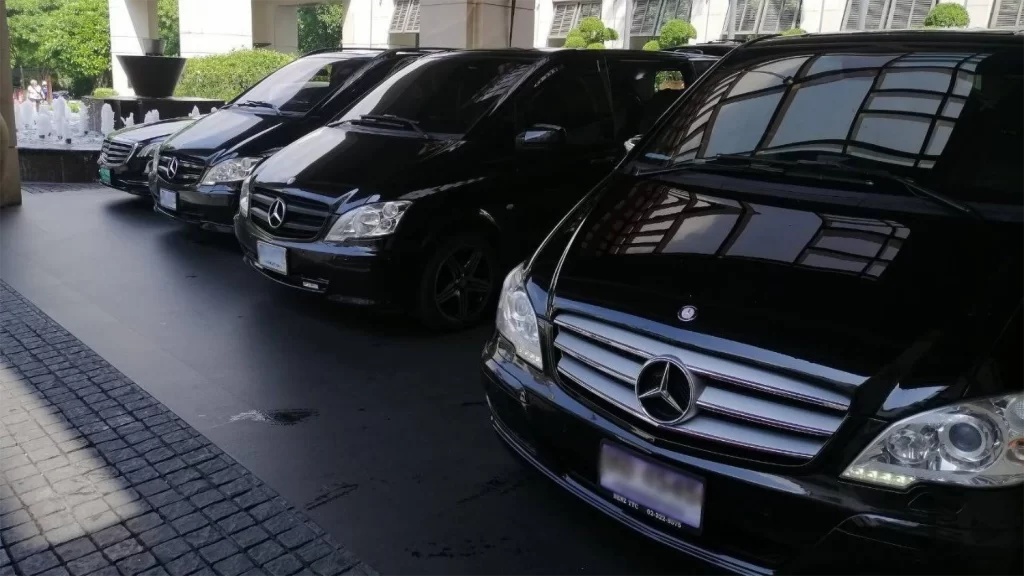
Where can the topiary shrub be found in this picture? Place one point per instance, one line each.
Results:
(589, 33)
(224, 76)
(676, 33)
(652, 46)
(794, 32)
(595, 46)
(946, 15)
(574, 40)
(104, 92)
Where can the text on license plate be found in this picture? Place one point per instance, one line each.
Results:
(663, 494)
(272, 257)
(169, 199)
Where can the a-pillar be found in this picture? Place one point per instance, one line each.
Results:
(10, 179)
(476, 23)
(214, 26)
(131, 22)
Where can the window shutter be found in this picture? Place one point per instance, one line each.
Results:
(1008, 14)
(675, 10)
(909, 13)
(771, 21)
(561, 22)
(853, 10)
(875, 19)
(588, 10)
(399, 16)
(746, 16)
(414, 17)
(645, 17)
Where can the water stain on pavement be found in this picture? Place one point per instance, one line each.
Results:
(275, 417)
(330, 493)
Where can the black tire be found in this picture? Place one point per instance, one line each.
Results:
(458, 284)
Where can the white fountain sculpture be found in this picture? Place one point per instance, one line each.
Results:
(44, 126)
(151, 116)
(19, 123)
(60, 112)
(83, 119)
(213, 109)
(130, 120)
(195, 112)
(28, 114)
(106, 119)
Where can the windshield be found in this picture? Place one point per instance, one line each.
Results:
(299, 86)
(951, 121)
(441, 95)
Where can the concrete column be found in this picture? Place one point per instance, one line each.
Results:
(286, 29)
(10, 173)
(130, 22)
(263, 23)
(613, 14)
(708, 18)
(476, 23)
(214, 27)
(367, 23)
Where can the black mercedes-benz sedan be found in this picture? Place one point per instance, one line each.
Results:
(785, 334)
(126, 154)
(426, 191)
(200, 169)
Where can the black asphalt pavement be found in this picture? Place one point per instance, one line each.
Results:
(373, 428)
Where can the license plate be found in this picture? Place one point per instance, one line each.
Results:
(169, 199)
(666, 495)
(105, 175)
(272, 257)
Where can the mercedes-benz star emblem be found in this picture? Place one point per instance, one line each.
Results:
(688, 313)
(665, 390)
(276, 215)
(172, 167)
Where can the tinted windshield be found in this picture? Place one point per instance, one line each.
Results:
(949, 120)
(301, 85)
(442, 95)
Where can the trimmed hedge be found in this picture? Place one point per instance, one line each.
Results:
(794, 32)
(104, 92)
(224, 76)
(946, 15)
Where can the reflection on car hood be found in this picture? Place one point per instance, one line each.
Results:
(856, 290)
(150, 131)
(334, 160)
(229, 130)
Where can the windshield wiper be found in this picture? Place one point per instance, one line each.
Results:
(392, 119)
(862, 175)
(259, 104)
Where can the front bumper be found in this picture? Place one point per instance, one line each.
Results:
(211, 207)
(349, 274)
(130, 177)
(754, 522)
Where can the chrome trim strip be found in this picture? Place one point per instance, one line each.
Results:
(767, 413)
(735, 373)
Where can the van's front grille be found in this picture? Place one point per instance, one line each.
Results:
(180, 170)
(303, 218)
(743, 406)
(115, 153)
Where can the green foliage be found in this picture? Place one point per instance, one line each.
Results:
(589, 33)
(74, 106)
(29, 22)
(224, 76)
(652, 46)
(946, 15)
(319, 26)
(676, 33)
(167, 15)
(104, 92)
(77, 42)
(794, 32)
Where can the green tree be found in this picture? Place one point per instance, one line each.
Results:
(320, 26)
(167, 15)
(946, 15)
(590, 33)
(29, 22)
(652, 46)
(676, 33)
(77, 43)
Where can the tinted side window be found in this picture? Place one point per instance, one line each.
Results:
(573, 98)
(642, 91)
(701, 66)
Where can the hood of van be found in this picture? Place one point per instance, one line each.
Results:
(233, 131)
(151, 131)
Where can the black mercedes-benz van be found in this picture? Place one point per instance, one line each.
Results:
(127, 154)
(199, 169)
(426, 191)
(785, 334)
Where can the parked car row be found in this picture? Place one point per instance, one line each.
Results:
(782, 333)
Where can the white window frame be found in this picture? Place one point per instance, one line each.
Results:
(574, 21)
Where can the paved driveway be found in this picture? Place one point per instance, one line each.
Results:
(372, 427)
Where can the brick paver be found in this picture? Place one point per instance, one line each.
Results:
(97, 478)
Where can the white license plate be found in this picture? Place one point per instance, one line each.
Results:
(169, 199)
(272, 257)
(671, 497)
(105, 175)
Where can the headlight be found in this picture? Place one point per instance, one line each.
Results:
(243, 196)
(516, 319)
(975, 443)
(232, 170)
(148, 150)
(368, 221)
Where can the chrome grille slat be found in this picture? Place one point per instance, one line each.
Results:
(304, 218)
(116, 153)
(736, 404)
(704, 425)
(189, 171)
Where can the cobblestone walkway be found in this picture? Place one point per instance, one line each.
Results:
(97, 477)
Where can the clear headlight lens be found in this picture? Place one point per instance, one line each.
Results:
(369, 221)
(233, 170)
(974, 443)
(243, 196)
(517, 321)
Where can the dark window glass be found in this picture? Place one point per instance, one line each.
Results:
(641, 92)
(573, 98)
(446, 94)
(950, 121)
(701, 66)
(302, 84)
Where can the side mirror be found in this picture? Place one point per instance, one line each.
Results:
(631, 143)
(541, 137)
